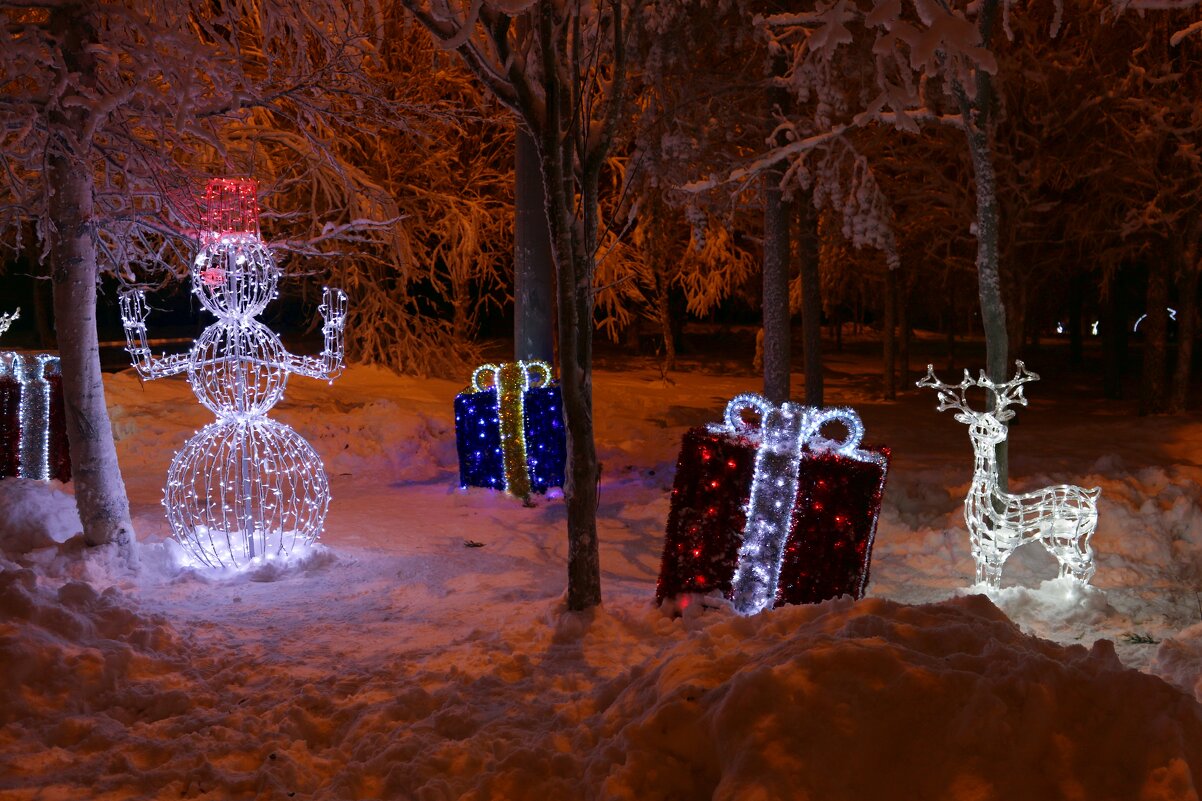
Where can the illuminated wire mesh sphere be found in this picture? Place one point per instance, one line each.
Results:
(240, 492)
(238, 368)
(235, 276)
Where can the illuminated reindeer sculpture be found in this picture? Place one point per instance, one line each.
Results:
(1061, 517)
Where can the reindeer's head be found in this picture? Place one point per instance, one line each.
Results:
(986, 427)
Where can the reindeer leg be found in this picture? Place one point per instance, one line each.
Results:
(989, 568)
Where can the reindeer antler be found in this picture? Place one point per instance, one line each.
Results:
(951, 396)
(1010, 392)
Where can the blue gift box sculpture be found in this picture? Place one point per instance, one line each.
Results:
(509, 429)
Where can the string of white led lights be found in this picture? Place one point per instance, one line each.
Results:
(33, 410)
(7, 319)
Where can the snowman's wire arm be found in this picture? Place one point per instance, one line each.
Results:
(133, 318)
(328, 364)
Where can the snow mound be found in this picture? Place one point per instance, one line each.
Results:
(381, 440)
(1179, 660)
(1061, 602)
(71, 651)
(843, 700)
(37, 514)
(879, 700)
(167, 561)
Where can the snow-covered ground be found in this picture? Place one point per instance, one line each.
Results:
(397, 663)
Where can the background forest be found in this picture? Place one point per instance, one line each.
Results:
(1095, 143)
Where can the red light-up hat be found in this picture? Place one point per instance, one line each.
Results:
(234, 274)
(230, 209)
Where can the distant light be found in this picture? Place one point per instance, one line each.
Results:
(7, 319)
(1172, 316)
(1059, 328)
(1093, 329)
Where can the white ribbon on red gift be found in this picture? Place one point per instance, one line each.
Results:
(33, 410)
(783, 434)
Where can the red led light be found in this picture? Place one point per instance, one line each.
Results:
(230, 207)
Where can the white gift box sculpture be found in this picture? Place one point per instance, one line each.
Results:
(1061, 517)
(245, 488)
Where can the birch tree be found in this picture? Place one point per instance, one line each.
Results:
(108, 113)
(561, 67)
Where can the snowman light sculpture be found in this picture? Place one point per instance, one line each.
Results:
(245, 488)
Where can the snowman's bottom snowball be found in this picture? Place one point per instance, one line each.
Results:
(239, 493)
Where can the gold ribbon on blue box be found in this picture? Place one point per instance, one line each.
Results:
(509, 429)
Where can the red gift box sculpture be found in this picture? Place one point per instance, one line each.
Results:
(776, 513)
(33, 436)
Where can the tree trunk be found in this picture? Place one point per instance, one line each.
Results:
(461, 305)
(667, 325)
(533, 270)
(951, 336)
(776, 290)
(1115, 337)
(1155, 329)
(888, 341)
(43, 316)
(663, 273)
(977, 115)
(584, 558)
(903, 332)
(1187, 326)
(989, 287)
(99, 489)
(811, 299)
(1076, 315)
(574, 249)
(1016, 323)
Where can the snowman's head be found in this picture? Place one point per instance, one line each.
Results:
(235, 276)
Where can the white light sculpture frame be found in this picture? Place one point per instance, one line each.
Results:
(7, 320)
(245, 488)
(1061, 517)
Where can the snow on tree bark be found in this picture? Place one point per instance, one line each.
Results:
(989, 282)
(99, 489)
